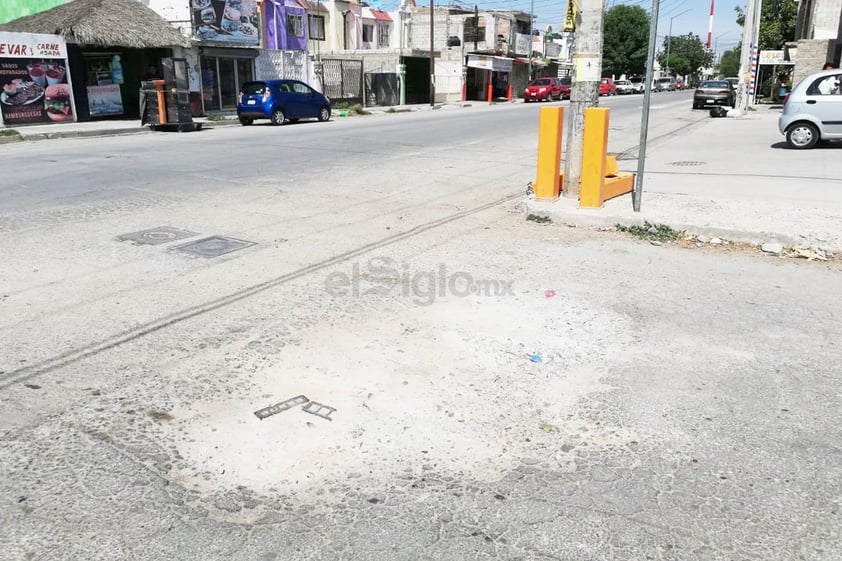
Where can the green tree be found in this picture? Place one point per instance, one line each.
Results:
(777, 22)
(625, 40)
(687, 50)
(729, 63)
(679, 65)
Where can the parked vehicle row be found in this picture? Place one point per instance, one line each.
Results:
(280, 101)
(549, 89)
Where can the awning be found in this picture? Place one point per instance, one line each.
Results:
(381, 16)
(490, 62)
(537, 63)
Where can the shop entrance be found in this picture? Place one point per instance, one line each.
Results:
(417, 79)
(106, 82)
(221, 80)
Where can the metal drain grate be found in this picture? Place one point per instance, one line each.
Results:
(156, 236)
(687, 163)
(213, 246)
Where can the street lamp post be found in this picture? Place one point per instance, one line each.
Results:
(669, 39)
(716, 41)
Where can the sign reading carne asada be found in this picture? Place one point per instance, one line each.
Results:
(34, 79)
(226, 21)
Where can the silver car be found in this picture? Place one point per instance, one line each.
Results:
(813, 110)
(624, 86)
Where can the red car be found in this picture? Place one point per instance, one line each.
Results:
(607, 87)
(566, 84)
(543, 89)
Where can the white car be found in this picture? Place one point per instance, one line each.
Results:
(624, 87)
(638, 85)
(813, 110)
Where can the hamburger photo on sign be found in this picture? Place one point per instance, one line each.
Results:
(57, 103)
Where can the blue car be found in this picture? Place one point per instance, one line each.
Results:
(280, 101)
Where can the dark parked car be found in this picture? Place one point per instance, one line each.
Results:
(281, 101)
(543, 89)
(714, 92)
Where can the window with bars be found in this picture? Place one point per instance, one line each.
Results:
(295, 25)
(382, 34)
(317, 27)
(368, 33)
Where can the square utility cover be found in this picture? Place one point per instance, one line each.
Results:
(213, 246)
(155, 236)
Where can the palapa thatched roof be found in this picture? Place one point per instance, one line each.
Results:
(103, 23)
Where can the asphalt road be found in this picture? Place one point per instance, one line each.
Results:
(202, 162)
(500, 389)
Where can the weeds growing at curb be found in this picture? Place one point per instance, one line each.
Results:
(9, 132)
(355, 109)
(539, 219)
(658, 232)
(214, 117)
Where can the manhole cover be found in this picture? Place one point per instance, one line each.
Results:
(155, 236)
(213, 246)
(687, 163)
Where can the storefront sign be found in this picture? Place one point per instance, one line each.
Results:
(522, 44)
(495, 63)
(35, 81)
(226, 21)
(772, 57)
(105, 100)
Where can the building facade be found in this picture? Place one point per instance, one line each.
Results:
(818, 36)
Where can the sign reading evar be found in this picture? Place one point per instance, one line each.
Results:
(12, 49)
(31, 45)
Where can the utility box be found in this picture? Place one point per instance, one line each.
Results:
(152, 112)
(177, 90)
(165, 104)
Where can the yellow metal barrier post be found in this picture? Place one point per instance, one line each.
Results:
(601, 179)
(548, 178)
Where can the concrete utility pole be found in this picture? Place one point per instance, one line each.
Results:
(432, 60)
(585, 90)
(752, 22)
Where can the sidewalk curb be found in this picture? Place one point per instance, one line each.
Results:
(84, 134)
(124, 131)
(567, 213)
(206, 124)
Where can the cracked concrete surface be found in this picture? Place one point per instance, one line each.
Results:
(677, 419)
(684, 408)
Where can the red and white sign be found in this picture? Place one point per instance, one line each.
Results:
(34, 80)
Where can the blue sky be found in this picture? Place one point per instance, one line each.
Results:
(688, 16)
